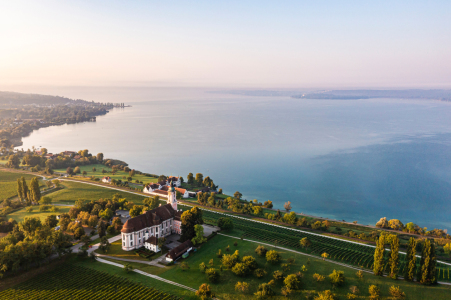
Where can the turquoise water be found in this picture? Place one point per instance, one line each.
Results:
(345, 159)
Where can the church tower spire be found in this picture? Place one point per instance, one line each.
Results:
(172, 197)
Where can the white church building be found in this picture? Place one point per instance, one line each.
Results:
(145, 229)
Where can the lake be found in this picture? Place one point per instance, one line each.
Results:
(357, 160)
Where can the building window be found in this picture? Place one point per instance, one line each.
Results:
(123, 237)
(124, 244)
(139, 234)
(131, 237)
(131, 243)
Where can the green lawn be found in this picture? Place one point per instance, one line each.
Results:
(225, 288)
(74, 190)
(8, 183)
(119, 175)
(21, 214)
(116, 251)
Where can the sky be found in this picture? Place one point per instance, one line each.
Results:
(239, 44)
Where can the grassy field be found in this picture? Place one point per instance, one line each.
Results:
(20, 215)
(73, 191)
(116, 251)
(119, 175)
(225, 288)
(8, 183)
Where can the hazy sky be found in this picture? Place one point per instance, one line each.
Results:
(268, 44)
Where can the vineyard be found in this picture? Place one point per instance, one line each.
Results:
(343, 251)
(75, 282)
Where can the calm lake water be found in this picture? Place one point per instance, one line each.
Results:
(345, 159)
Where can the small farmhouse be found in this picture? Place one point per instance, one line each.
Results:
(184, 192)
(178, 251)
(106, 179)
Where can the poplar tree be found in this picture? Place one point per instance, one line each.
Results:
(20, 189)
(24, 188)
(427, 271)
(35, 192)
(394, 257)
(411, 260)
(378, 267)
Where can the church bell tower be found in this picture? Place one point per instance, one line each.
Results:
(172, 197)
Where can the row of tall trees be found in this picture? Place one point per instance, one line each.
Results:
(32, 194)
(426, 271)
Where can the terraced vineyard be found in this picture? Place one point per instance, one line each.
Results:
(343, 251)
(75, 282)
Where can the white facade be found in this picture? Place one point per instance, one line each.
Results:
(106, 179)
(136, 240)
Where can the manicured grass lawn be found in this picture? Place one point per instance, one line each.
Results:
(75, 190)
(119, 175)
(225, 288)
(8, 183)
(116, 251)
(21, 214)
(135, 277)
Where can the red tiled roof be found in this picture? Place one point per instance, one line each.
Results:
(164, 188)
(180, 250)
(161, 192)
(180, 190)
(151, 218)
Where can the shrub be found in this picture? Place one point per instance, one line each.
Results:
(202, 267)
(184, 266)
(285, 267)
(261, 250)
(219, 254)
(318, 278)
(325, 295)
(29, 209)
(250, 262)
(235, 244)
(374, 292)
(228, 261)
(240, 269)
(259, 273)
(225, 224)
(212, 275)
(292, 282)
(354, 290)
(351, 296)
(204, 292)
(359, 274)
(242, 287)
(128, 268)
(337, 278)
(396, 292)
(278, 275)
(272, 256)
(264, 290)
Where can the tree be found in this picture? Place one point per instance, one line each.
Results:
(199, 179)
(106, 214)
(50, 221)
(99, 157)
(69, 171)
(378, 266)
(396, 292)
(287, 206)
(161, 242)
(85, 240)
(128, 267)
(249, 262)
(212, 275)
(318, 277)
(202, 267)
(84, 173)
(258, 211)
(92, 221)
(395, 224)
(278, 275)
(136, 210)
(394, 257)
(383, 223)
(131, 173)
(225, 224)
(184, 266)
(268, 204)
(259, 273)
(325, 295)
(204, 292)
(242, 287)
(48, 183)
(190, 218)
(30, 225)
(261, 250)
(374, 291)
(264, 290)
(305, 242)
(237, 195)
(56, 182)
(325, 255)
(45, 201)
(199, 237)
(13, 161)
(25, 191)
(272, 256)
(337, 278)
(190, 178)
(410, 227)
(240, 269)
(35, 191)
(292, 282)
(94, 169)
(104, 244)
(228, 261)
(77, 170)
(427, 273)
(152, 202)
(78, 233)
(101, 228)
(20, 189)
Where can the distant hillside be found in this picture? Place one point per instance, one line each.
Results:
(12, 98)
(444, 95)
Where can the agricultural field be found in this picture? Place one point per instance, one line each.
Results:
(20, 215)
(119, 175)
(73, 191)
(224, 289)
(76, 282)
(8, 183)
(354, 254)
